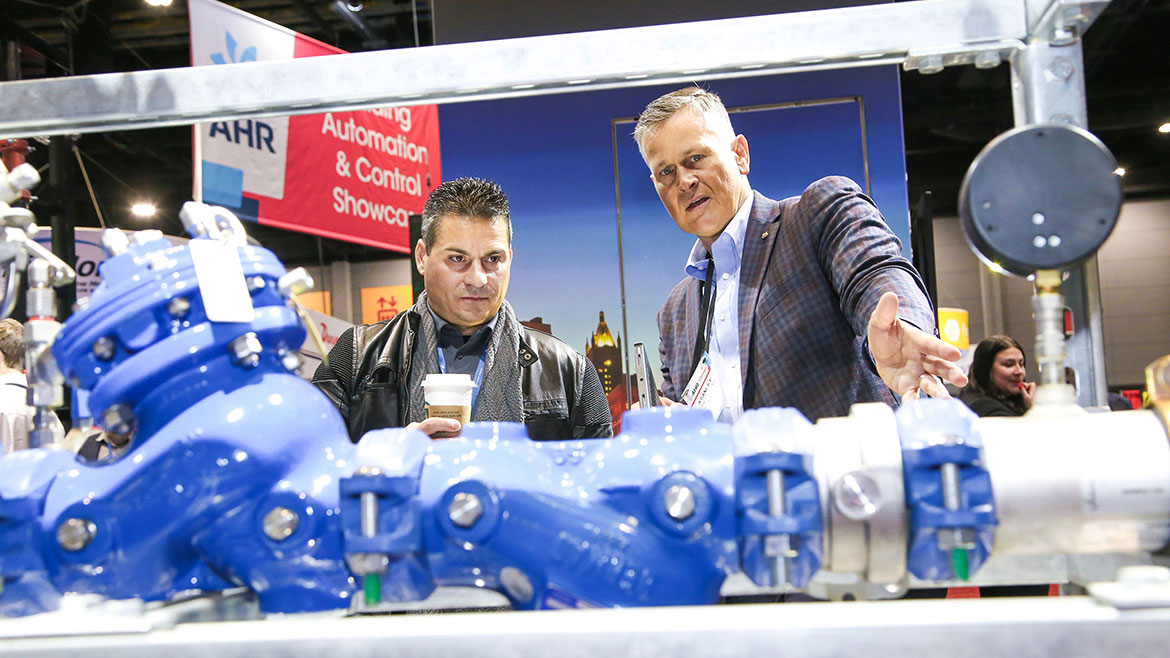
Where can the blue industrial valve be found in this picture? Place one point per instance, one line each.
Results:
(948, 490)
(229, 472)
(645, 518)
(777, 504)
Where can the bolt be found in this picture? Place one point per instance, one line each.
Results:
(256, 284)
(1063, 35)
(245, 350)
(295, 282)
(987, 59)
(178, 307)
(149, 235)
(365, 563)
(114, 242)
(951, 538)
(75, 534)
(1061, 68)
(280, 523)
(680, 502)
(930, 64)
(103, 348)
(1038, 218)
(516, 584)
(38, 273)
(465, 509)
(857, 496)
(290, 360)
(118, 419)
(1039, 241)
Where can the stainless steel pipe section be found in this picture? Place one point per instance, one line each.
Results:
(1069, 481)
(1065, 481)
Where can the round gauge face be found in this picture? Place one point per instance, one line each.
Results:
(1040, 197)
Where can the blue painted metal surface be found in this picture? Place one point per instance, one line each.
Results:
(241, 473)
(933, 433)
(563, 524)
(218, 444)
(777, 439)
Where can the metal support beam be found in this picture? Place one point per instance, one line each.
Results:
(64, 218)
(1048, 80)
(958, 30)
(1048, 86)
(1069, 627)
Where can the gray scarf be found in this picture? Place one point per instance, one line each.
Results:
(500, 398)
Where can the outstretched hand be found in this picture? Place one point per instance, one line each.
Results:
(907, 359)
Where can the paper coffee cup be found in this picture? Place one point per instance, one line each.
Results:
(448, 396)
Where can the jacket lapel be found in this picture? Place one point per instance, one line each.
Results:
(763, 224)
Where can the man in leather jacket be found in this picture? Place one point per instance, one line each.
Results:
(462, 324)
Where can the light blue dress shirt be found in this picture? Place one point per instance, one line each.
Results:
(723, 346)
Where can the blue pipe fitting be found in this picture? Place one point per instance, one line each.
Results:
(397, 530)
(144, 340)
(231, 477)
(948, 490)
(581, 523)
(781, 532)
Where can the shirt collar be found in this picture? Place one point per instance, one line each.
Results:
(727, 249)
(440, 322)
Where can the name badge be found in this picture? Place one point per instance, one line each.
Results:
(703, 390)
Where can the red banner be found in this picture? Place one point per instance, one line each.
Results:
(354, 176)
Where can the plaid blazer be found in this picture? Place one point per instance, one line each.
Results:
(813, 270)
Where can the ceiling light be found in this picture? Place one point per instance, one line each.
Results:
(1120, 171)
(1164, 128)
(159, 3)
(143, 209)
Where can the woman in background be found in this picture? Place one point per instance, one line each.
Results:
(996, 385)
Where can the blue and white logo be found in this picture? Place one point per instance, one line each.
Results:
(249, 54)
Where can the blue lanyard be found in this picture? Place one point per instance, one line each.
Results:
(478, 373)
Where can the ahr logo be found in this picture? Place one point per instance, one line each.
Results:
(249, 54)
(257, 134)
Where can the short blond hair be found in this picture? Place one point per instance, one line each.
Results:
(698, 100)
(12, 343)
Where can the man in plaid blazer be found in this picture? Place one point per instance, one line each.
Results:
(808, 300)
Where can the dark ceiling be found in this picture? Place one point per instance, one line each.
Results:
(948, 116)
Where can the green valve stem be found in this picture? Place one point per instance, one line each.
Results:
(372, 584)
(959, 563)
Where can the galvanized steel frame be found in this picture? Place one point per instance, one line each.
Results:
(1069, 627)
(957, 30)
(1039, 37)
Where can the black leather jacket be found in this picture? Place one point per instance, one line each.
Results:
(369, 368)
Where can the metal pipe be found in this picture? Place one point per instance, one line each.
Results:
(1069, 481)
(777, 546)
(11, 290)
(1048, 305)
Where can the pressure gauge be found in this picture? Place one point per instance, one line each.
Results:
(1040, 197)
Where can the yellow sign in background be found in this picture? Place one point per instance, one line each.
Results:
(320, 302)
(953, 327)
(384, 302)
